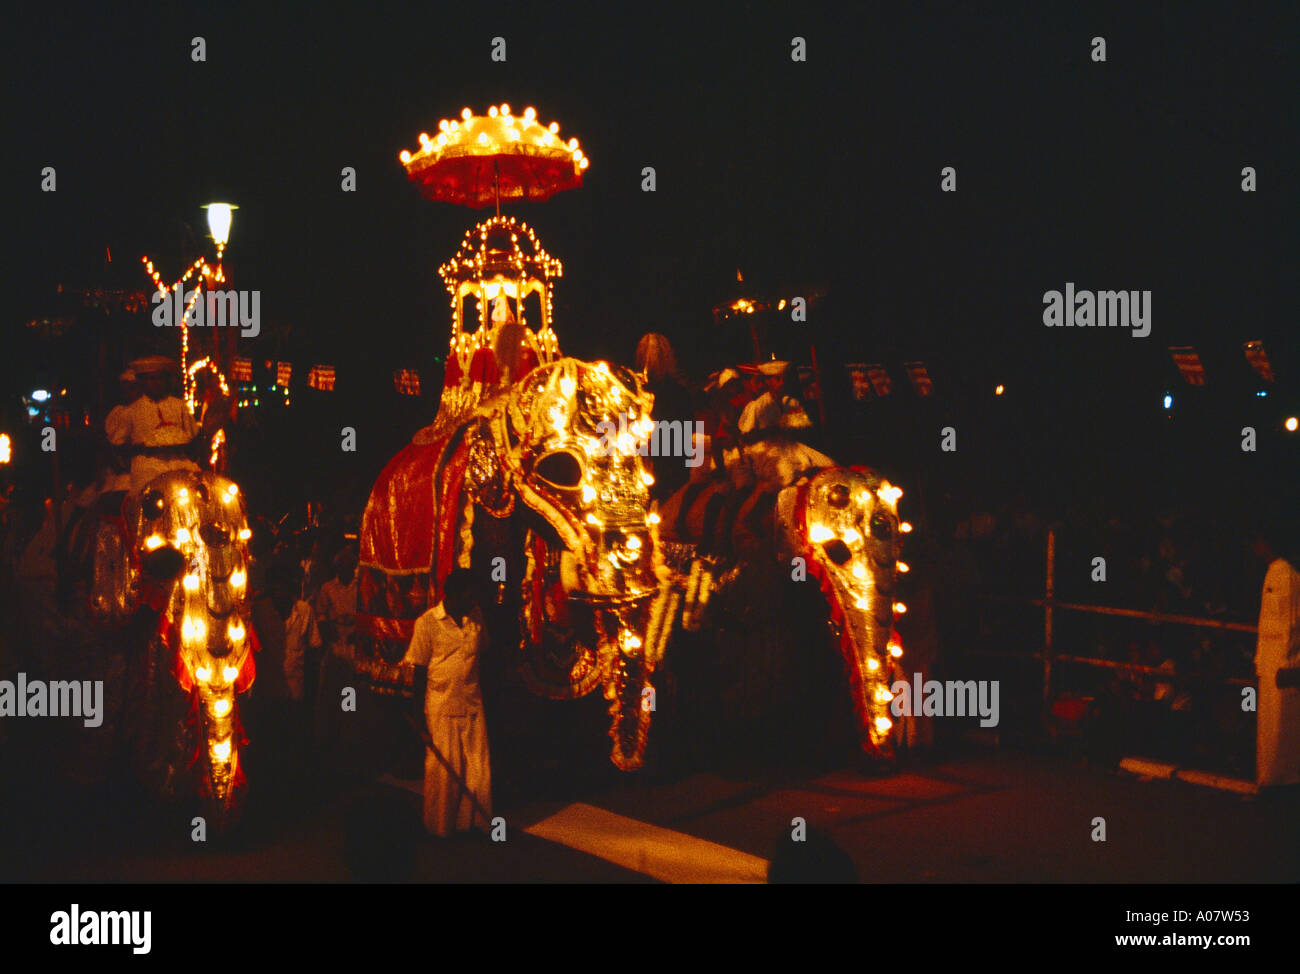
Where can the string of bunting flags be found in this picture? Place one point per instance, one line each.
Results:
(1193, 371)
(866, 379)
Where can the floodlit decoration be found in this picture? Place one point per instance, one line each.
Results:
(1189, 364)
(920, 376)
(1258, 360)
(219, 221)
(499, 264)
(407, 382)
(321, 377)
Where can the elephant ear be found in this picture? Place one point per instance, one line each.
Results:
(486, 479)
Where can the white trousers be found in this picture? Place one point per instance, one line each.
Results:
(463, 742)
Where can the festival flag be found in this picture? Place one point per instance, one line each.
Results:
(1189, 364)
(242, 369)
(283, 371)
(858, 377)
(920, 377)
(407, 382)
(321, 377)
(1258, 360)
(879, 379)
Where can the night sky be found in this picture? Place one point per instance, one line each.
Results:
(819, 174)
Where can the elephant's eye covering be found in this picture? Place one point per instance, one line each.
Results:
(560, 469)
(837, 551)
(214, 535)
(882, 527)
(838, 496)
(153, 503)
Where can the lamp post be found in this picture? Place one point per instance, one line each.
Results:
(220, 217)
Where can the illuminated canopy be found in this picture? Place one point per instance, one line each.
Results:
(481, 159)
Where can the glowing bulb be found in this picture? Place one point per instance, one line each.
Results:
(592, 519)
(861, 604)
(883, 724)
(493, 111)
(220, 707)
(647, 478)
(194, 630)
(229, 672)
(232, 491)
(568, 386)
(191, 583)
(859, 570)
(653, 518)
(872, 664)
(634, 543)
(999, 389)
(818, 533)
(182, 535)
(466, 114)
(895, 650)
(904, 567)
(1292, 424)
(183, 494)
(505, 109)
(202, 673)
(221, 750)
(220, 216)
(900, 608)
(245, 534)
(237, 578)
(883, 695)
(153, 542)
(905, 527)
(851, 536)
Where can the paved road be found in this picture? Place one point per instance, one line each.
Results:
(984, 816)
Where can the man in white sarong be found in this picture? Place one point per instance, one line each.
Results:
(157, 426)
(1277, 740)
(458, 775)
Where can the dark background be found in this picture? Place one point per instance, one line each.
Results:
(818, 175)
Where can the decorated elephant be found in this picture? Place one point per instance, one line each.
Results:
(539, 487)
(833, 526)
(177, 581)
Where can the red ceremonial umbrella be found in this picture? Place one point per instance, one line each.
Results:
(482, 159)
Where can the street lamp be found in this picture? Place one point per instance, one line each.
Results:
(220, 216)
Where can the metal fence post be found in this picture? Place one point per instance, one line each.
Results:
(1047, 617)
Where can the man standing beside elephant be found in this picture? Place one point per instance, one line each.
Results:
(449, 639)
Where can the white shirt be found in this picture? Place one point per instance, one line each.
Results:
(451, 653)
(148, 423)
